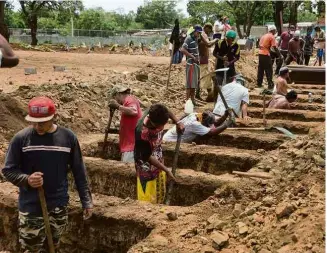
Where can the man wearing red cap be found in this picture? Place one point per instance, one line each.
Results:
(41, 156)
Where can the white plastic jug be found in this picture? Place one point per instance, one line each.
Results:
(189, 107)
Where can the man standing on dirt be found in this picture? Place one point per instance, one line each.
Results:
(191, 51)
(267, 43)
(308, 46)
(41, 156)
(204, 59)
(7, 57)
(227, 52)
(285, 39)
(198, 124)
(320, 38)
(129, 106)
(150, 169)
(295, 49)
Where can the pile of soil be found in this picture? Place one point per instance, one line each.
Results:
(285, 214)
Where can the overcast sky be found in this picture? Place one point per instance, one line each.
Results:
(127, 5)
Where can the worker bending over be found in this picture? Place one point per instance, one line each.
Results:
(295, 49)
(236, 96)
(129, 107)
(282, 102)
(150, 169)
(198, 124)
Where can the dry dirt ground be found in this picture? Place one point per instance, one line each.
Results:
(282, 215)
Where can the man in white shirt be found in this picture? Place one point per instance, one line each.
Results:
(218, 29)
(237, 98)
(198, 124)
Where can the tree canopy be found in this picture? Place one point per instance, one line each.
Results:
(155, 14)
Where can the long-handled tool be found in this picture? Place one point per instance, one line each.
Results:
(171, 183)
(112, 111)
(230, 112)
(171, 62)
(280, 129)
(46, 219)
(264, 110)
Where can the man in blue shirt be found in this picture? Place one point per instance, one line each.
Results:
(41, 156)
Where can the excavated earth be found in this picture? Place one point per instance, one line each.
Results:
(212, 210)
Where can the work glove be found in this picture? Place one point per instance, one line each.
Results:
(113, 104)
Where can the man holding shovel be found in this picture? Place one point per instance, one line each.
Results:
(39, 157)
(129, 106)
(227, 52)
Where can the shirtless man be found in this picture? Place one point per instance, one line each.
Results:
(281, 84)
(295, 48)
(7, 57)
(282, 102)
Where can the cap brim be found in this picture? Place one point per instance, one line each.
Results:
(38, 120)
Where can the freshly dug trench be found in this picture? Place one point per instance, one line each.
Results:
(301, 98)
(245, 140)
(308, 86)
(118, 179)
(114, 227)
(296, 115)
(295, 106)
(296, 127)
(209, 159)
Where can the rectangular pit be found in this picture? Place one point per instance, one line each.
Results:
(301, 98)
(296, 115)
(114, 227)
(295, 106)
(209, 159)
(113, 178)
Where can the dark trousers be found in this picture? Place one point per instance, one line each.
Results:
(265, 66)
(294, 57)
(306, 59)
(279, 62)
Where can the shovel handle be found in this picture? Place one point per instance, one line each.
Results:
(171, 183)
(46, 219)
(112, 111)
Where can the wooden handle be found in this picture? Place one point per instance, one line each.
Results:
(249, 174)
(112, 111)
(46, 219)
(175, 161)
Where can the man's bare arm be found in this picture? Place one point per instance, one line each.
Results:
(8, 58)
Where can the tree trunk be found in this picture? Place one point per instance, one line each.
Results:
(293, 13)
(3, 27)
(278, 16)
(32, 22)
(248, 30)
(238, 28)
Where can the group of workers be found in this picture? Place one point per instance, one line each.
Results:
(41, 155)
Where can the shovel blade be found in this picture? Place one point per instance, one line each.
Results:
(286, 132)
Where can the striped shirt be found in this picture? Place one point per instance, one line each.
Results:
(53, 154)
(191, 45)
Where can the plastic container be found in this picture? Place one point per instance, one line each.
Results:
(310, 98)
(189, 107)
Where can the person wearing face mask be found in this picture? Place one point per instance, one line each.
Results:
(285, 39)
(190, 49)
(226, 25)
(295, 49)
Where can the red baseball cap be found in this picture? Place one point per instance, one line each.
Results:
(40, 109)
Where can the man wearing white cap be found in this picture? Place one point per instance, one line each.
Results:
(41, 156)
(295, 49)
(267, 42)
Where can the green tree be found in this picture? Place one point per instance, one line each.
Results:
(157, 14)
(204, 11)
